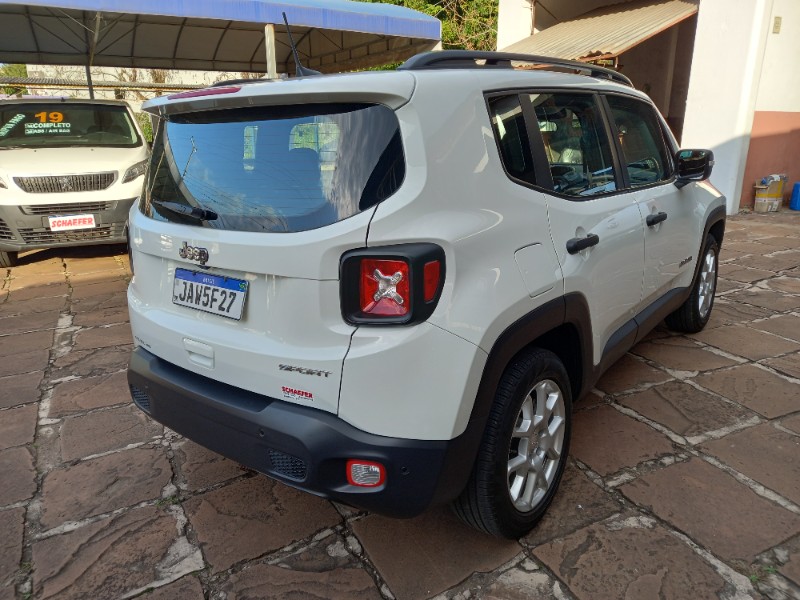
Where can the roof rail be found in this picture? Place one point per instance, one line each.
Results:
(467, 59)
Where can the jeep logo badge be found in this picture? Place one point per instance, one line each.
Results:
(193, 253)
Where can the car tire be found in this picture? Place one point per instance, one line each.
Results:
(524, 448)
(8, 259)
(693, 314)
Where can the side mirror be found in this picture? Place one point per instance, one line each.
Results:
(693, 165)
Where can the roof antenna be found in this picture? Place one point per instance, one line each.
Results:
(300, 70)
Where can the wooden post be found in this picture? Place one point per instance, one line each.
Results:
(269, 45)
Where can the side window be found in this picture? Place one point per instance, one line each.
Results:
(508, 124)
(641, 140)
(575, 143)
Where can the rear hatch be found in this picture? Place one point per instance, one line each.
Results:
(251, 198)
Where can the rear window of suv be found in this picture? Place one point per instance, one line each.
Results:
(62, 124)
(274, 169)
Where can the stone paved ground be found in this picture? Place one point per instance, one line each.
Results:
(684, 480)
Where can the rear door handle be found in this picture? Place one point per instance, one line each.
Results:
(655, 219)
(575, 245)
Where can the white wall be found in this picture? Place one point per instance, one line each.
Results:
(514, 21)
(723, 86)
(779, 87)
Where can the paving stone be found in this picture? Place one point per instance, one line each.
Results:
(103, 337)
(254, 516)
(17, 426)
(743, 274)
(89, 392)
(629, 373)
(265, 581)
(18, 292)
(791, 570)
(787, 326)
(789, 285)
(607, 441)
(788, 364)
(96, 264)
(13, 345)
(104, 316)
(704, 510)
(747, 342)
(202, 468)
(105, 430)
(104, 484)
(97, 277)
(578, 503)
(681, 354)
(757, 389)
(685, 409)
(629, 558)
(19, 389)
(14, 307)
(725, 285)
(186, 588)
(323, 570)
(516, 584)
(792, 423)
(91, 294)
(436, 548)
(17, 474)
(24, 362)
(781, 242)
(92, 362)
(748, 247)
(768, 299)
(112, 557)
(765, 454)
(729, 313)
(11, 524)
(726, 254)
(32, 279)
(775, 262)
(29, 322)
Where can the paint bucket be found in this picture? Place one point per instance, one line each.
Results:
(794, 203)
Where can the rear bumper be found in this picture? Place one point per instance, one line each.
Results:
(27, 227)
(303, 447)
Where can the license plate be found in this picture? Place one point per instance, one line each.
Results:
(223, 296)
(68, 222)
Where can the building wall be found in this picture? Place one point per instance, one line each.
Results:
(775, 137)
(723, 85)
(514, 21)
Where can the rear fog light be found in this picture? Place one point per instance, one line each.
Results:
(363, 473)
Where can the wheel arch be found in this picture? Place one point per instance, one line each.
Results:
(561, 326)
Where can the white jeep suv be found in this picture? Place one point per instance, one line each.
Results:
(388, 288)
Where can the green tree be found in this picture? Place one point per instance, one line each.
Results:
(13, 71)
(466, 24)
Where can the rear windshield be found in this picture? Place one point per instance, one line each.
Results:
(274, 169)
(65, 124)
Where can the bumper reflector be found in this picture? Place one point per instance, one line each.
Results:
(363, 473)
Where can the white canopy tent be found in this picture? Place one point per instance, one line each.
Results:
(219, 35)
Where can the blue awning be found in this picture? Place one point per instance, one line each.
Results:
(226, 35)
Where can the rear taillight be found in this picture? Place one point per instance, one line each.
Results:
(384, 287)
(393, 285)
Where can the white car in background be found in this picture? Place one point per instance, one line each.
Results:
(69, 172)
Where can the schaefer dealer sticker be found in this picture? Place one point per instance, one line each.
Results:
(72, 222)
